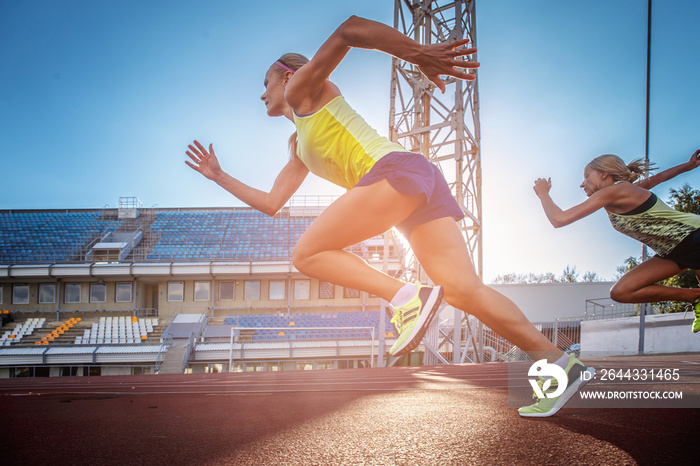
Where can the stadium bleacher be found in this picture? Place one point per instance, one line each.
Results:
(183, 235)
(22, 330)
(113, 330)
(48, 236)
(310, 325)
(233, 235)
(107, 330)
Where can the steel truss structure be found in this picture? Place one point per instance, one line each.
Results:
(445, 129)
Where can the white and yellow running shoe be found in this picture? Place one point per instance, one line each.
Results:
(412, 319)
(545, 407)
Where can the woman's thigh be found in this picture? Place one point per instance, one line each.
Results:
(442, 251)
(360, 214)
(648, 273)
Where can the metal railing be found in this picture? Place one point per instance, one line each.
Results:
(236, 329)
(167, 335)
(134, 312)
(146, 312)
(191, 342)
(166, 344)
(312, 200)
(606, 308)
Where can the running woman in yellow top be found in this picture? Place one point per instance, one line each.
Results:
(387, 187)
(636, 212)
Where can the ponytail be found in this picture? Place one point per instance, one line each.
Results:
(618, 170)
(639, 169)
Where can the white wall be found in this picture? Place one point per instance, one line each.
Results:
(664, 333)
(544, 302)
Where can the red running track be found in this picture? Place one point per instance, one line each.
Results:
(426, 415)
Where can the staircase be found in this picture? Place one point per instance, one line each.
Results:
(172, 361)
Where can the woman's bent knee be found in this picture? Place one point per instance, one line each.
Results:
(621, 293)
(300, 258)
(465, 291)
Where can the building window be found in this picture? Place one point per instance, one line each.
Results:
(301, 289)
(351, 293)
(73, 291)
(176, 291)
(98, 293)
(123, 293)
(326, 290)
(20, 294)
(202, 291)
(277, 289)
(252, 290)
(47, 293)
(227, 290)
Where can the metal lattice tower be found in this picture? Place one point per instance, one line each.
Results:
(445, 129)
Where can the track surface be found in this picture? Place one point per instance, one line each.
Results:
(406, 415)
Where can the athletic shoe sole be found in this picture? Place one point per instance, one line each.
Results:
(432, 304)
(573, 387)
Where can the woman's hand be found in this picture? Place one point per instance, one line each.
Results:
(542, 186)
(205, 162)
(445, 59)
(672, 172)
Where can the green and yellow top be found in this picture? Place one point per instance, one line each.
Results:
(656, 224)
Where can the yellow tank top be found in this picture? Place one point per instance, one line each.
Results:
(338, 145)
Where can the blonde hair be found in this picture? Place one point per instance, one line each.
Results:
(291, 61)
(616, 167)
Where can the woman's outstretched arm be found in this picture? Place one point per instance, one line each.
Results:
(306, 88)
(558, 217)
(672, 172)
(287, 183)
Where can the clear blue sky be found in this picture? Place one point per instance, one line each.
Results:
(99, 99)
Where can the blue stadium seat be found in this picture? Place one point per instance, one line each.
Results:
(49, 236)
(303, 321)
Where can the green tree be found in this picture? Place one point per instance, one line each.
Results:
(547, 277)
(686, 199)
(509, 278)
(590, 277)
(569, 275)
(630, 263)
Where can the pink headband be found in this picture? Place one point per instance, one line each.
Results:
(278, 63)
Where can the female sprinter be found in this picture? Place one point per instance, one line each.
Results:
(387, 187)
(638, 213)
